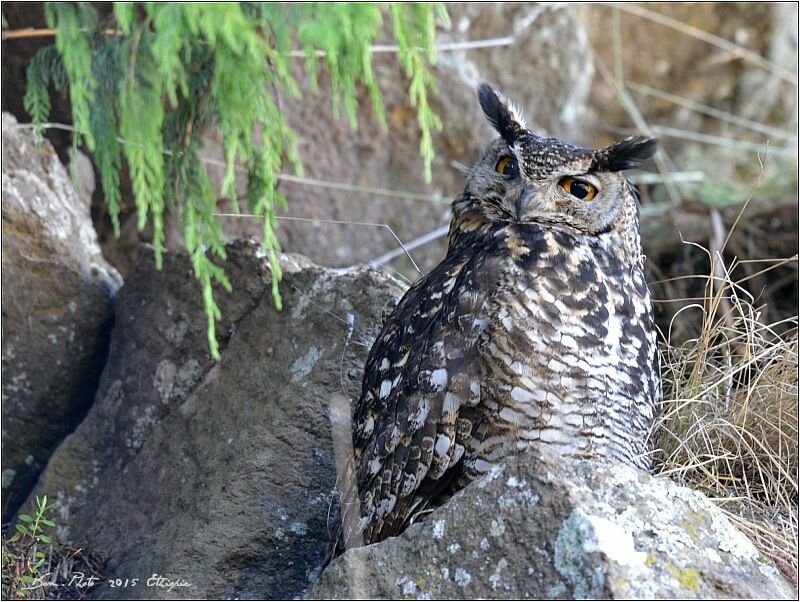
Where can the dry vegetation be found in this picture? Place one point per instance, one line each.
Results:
(730, 421)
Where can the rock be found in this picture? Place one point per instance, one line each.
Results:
(83, 178)
(670, 60)
(547, 69)
(761, 95)
(58, 295)
(539, 528)
(218, 475)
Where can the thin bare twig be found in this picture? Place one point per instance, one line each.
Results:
(387, 192)
(716, 244)
(638, 119)
(684, 177)
(331, 221)
(663, 130)
(31, 32)
(710, 38)
(444, 47)
(711, 111)
(749, 198)
(416, 243)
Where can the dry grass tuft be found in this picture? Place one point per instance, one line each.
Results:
(730, 421)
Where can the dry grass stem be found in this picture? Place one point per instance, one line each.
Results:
(730, 422)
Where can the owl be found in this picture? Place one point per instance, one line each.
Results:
(536, 330)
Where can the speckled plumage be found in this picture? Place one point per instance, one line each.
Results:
(536, 329)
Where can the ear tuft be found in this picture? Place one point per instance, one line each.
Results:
(500, 115)
(626, 154)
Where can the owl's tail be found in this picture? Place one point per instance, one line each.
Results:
(344, 522)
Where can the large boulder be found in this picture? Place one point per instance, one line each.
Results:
(217, 477)
(58, 295)
(541, 528)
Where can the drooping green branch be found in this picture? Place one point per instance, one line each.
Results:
(156, 75)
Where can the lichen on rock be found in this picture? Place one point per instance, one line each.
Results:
(571, 529)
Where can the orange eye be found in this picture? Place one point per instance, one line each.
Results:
(507, 166)
(580, 190)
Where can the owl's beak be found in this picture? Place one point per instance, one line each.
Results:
(523, 202)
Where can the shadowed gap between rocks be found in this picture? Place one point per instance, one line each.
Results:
(81, 405)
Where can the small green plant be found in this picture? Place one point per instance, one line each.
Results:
(147, 79)
(24, 573)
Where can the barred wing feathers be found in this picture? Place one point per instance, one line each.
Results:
(424, 367)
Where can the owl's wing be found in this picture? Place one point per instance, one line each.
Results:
(423, 367)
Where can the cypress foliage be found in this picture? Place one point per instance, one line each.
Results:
(145, 84)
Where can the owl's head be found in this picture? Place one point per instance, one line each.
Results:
(523, 177)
